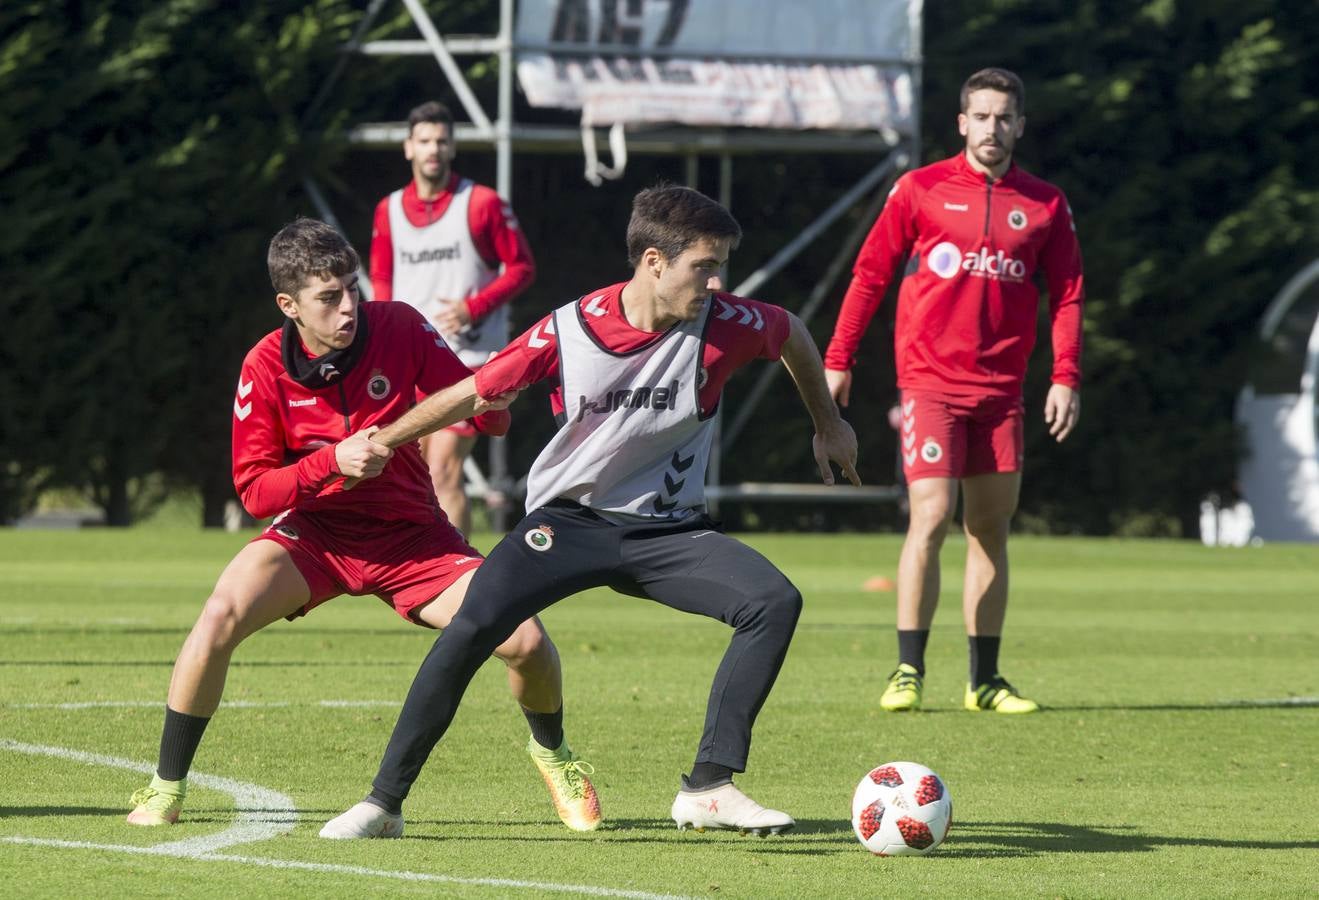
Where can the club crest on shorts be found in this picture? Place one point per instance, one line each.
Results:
(931, 452)
(378, 386)
(286, 530)
(540, 538)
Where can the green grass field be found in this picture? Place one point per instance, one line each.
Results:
(1177, 757)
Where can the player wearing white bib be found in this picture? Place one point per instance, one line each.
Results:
(439, 244)
(617, 496)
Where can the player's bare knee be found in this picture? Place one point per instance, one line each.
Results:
(929, 526)
(527, 648)
(988, 531)
(446, 470)
(219, 625)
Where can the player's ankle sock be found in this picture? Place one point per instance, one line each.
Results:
(911, 647)
(705, 775)
(391, 805)
(179, 740)
(984, 657)
(546, 728)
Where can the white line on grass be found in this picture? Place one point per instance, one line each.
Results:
(264, 814)
(366, 704)
(548, 886)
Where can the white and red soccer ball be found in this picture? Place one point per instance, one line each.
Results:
(901, 808)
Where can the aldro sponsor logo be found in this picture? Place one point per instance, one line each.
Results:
(647, 397)
(947, 259)
(434, 254)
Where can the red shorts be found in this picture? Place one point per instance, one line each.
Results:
(405, 564)
(465, 428)
(945, 436)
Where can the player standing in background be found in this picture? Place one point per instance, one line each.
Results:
(438, 245)
(617, 497)
(310, 395)
(977, 228)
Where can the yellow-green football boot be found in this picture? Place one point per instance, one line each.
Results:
(903, 693)
(571, 790)
(997, 695)
(159, 803)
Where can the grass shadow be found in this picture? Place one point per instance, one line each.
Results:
(1000, 839)
(1219, 706)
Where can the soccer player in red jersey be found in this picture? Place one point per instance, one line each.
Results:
(310, 395)
(617, 497)
(977, 229)
(438, 244)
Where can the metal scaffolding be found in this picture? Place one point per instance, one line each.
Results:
(505, 136)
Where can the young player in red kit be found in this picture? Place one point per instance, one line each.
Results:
(976, 228)
(438, 244)
(617, 497)
(310, 395)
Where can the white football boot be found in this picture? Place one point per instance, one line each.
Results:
(365, 820)
(727, 807)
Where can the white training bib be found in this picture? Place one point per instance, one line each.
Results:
(633, 443)
(439, 262)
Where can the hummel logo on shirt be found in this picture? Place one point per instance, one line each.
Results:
(957, 207)
(310, 401)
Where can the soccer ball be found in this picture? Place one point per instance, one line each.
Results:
(901, 808)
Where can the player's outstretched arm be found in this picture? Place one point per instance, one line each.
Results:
(441, 409)
(834, 439)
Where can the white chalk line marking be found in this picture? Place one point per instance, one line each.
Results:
(263, 814)
(370, 704)
(331, 868)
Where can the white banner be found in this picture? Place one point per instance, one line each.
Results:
(865, 30)
(835, 64)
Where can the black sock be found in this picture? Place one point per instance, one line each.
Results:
(178, 743)
(911, 648)
(984, 657)
(546, 728)
(391, 805)
(707, 775)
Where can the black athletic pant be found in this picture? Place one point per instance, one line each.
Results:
(562, 549)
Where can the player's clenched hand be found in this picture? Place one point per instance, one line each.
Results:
(358, 457)
(836, 443)
(453, 316)
(499, 401)
(840, 385)
(1062, 409)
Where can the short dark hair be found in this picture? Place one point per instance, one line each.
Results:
(995, 79)
(432, 111)
(307, 247)
(671, 218)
